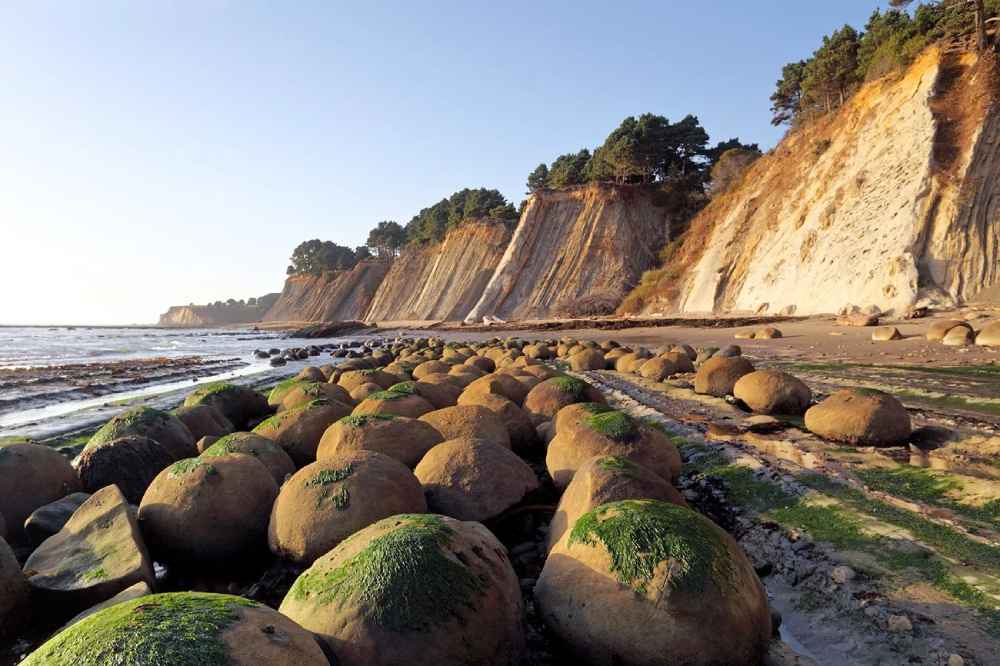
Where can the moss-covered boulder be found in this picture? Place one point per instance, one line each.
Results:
(240, 404)
(31, 476)
(545, 400)
(718, 375)
(577, 415)
(605, 479)
(640, 580)
(473, 479)
(272, 456)
(299, 430)
(96, 555)
(523, 433)
(400, 400)
(863, 417)
(131, 463)
(190, 628)
(399, 437)
(15, 594)
(209, 512)
(327, 501)
(355, 378)
(422, 590)
(588, 359)
(305, 392)
(773, 392)
(204, 420)
(611, 433)
(280, 390)
(469, 421)
(160, 426)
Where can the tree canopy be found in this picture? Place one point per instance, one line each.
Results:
(432, 223)
(316, 256)
(387, 239)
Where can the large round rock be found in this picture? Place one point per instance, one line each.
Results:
(610, 433)
(160, 426)
(14, 592)
(240, 404)
(131, 463)
(588, 359)
(401, 400)
(204, 420)
(182, 628)
(718, 375)
(990, 335)
(523, 434)
(272, 456)
(773, 392)
(327, 501)
(469, 421)
(212, 512)
(545, 400)
(31, 476)
(399, 437)
(472, 479)
(299, 430)
(604, 479)
(937, 331)
(422, 590)
(644, 583)
(865, 417)
(305, 392)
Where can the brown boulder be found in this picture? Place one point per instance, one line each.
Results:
(468, 421)
(718, 375)
(299, 430)
(588, 359)
(305, 392)
(604, 479)
(31, 476)
(501, 384)
(355, 378)
(473, 479)
(545, 400)
(421, 590)
(430, 368)
(204, 420)
(773, 392)
(990, 335)
(240, 404)
(209, 512)
(399, 437)
(272, 456)
(681, 360)
(886, 334)
(131, 463)
(939, 329)
(15, 593)
(160, 426)
(643, 583)
(96, 555)
(328, 501)
(863, 417)
(523, 435)
(959, 337)
(658, 369)
(401, 400)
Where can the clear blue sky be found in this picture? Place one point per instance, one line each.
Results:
(156, 152)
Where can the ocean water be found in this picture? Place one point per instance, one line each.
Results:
(58, 405)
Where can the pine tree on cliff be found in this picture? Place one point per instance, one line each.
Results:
(387, 239)
(786, 100)
(978, 17)
(538, 178)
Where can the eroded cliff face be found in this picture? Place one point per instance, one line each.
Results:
(444, 280)
(893, 201)
(595, 240)
(187, 316)
(331, 296)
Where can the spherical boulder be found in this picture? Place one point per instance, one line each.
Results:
(604, 479)
(541, 372)
(439, 390)
(501, 384)
(610, 433)
(681, 360)
(327, 501)
(523, 434)
(473, 479)
(299, 430)
(204, 420)
(863, 417)
(272, 456)
(421, 590)
(990, 335)
(280, 390)
(311, 374)
(636, 580)
(31, 476)
(182, 628)
(630, 362)
(160, 426)
(481, 362)
(588, 359)
(355, 378)
(658, 369)
(937, 331)
(363, 392)
(15, 593)
(468, 421)
(400, 400)
(305, 392)
(959, 336)
(718, 375)
(131, 463)
(886, 334)
(209, 512)
(545, 400)
(773, 392)
(240, 404)
(399, 437)
(429, 368)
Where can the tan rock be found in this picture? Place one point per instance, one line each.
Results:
(937, 331)
(439, 390)
(886, 333)
(272, 456)
(773, 392)
(299, 430)
(681, 360)
(863, 417)
(363, 392)
(767, 333)
(202, 420)
(417, 590)
(959, 337)
(96, 555)
(473, 479)
(401, 400)
(399, 437)
(306, 392)
(327, 501)
(501, 384)
(469, 421)
(718, 375)
(355, 378)
(990, 335)
(140, 589)
(31, 476)
(545, 400)
(588, 359)
(658, 369)
(430, 367)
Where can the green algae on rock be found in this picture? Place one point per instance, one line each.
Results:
(618, 426)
